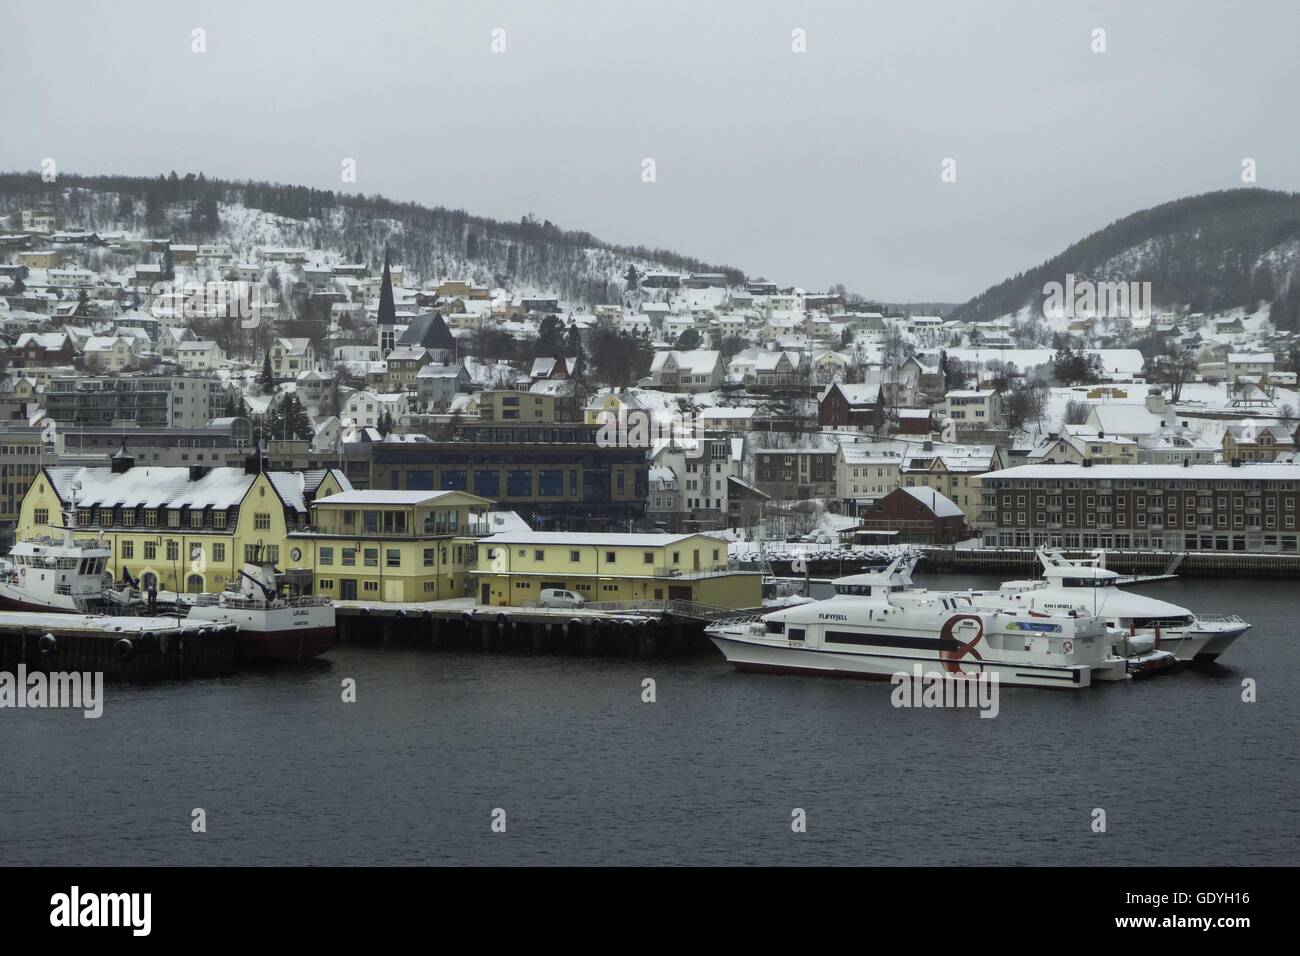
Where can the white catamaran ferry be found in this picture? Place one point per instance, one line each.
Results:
(877, 625)
(1086, 587)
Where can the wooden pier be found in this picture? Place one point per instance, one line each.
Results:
(633, 631)
(122, 648)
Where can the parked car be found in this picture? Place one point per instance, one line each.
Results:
(559, 597)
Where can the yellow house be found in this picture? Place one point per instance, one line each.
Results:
(513, 568)
(181, 529)
(393, 546)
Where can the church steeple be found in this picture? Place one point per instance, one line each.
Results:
(387, 317)
(387, 310)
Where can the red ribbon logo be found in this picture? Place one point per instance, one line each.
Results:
(952, 659)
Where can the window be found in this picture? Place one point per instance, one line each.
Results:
(539, 555)
(219, 552)
(393, 558)
(128, 549)
(371, 557)
(173, 550)
(370, 585)
(150, 550)
(519, 484)
(550, 483)
(196, 519)
(273, 553)
(262, 521)
(349, 557)
(42, 515)
(574, 556)
(611, 557)
(219, 519)
(648, 557)
(326, 555)
(428, 557)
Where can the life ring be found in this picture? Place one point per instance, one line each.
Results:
(1068, 646)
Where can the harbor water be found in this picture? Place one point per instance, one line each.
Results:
(587, 772)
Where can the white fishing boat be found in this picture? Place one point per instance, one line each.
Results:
(1084, 586)
(878, 625)
(62, 574)
(272, 625)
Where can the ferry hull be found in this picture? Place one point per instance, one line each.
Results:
(291, 634)
(10, 602)
(294, 647)
(757, 656)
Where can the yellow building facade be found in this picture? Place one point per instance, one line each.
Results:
(392, 546)
(180, 529)
(513, 569)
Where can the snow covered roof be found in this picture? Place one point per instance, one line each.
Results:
(1125, 418)
(1252, 472)
(152, 487)
(600, 538)
(380, 497)
(941, 505)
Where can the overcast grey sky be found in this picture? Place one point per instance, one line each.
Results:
(810, 168)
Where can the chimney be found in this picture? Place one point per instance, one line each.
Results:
(121, 462)
(1187, 463)
(1236, 463)
(1156, 401)
(255, 463)
(1087, 463)
(197, 472)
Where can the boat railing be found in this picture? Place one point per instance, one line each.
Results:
(230, 599)
(1219, 619)
(69, 591)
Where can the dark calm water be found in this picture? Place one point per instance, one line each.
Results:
(588, 774)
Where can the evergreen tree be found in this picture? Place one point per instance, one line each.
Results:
(267, 378)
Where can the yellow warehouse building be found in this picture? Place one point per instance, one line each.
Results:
(513, 569)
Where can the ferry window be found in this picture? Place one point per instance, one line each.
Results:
(795, 634)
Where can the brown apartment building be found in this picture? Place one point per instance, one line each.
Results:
(1221, 507)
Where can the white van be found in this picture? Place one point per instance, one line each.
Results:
(559, 597)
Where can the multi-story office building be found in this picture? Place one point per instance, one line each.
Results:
(1175, 508)
(22, 452)
(146, 401)
(795, 474)
(223, 441)
(555, 476)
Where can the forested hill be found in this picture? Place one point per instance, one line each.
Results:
(1216, 251)
(431, 243)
